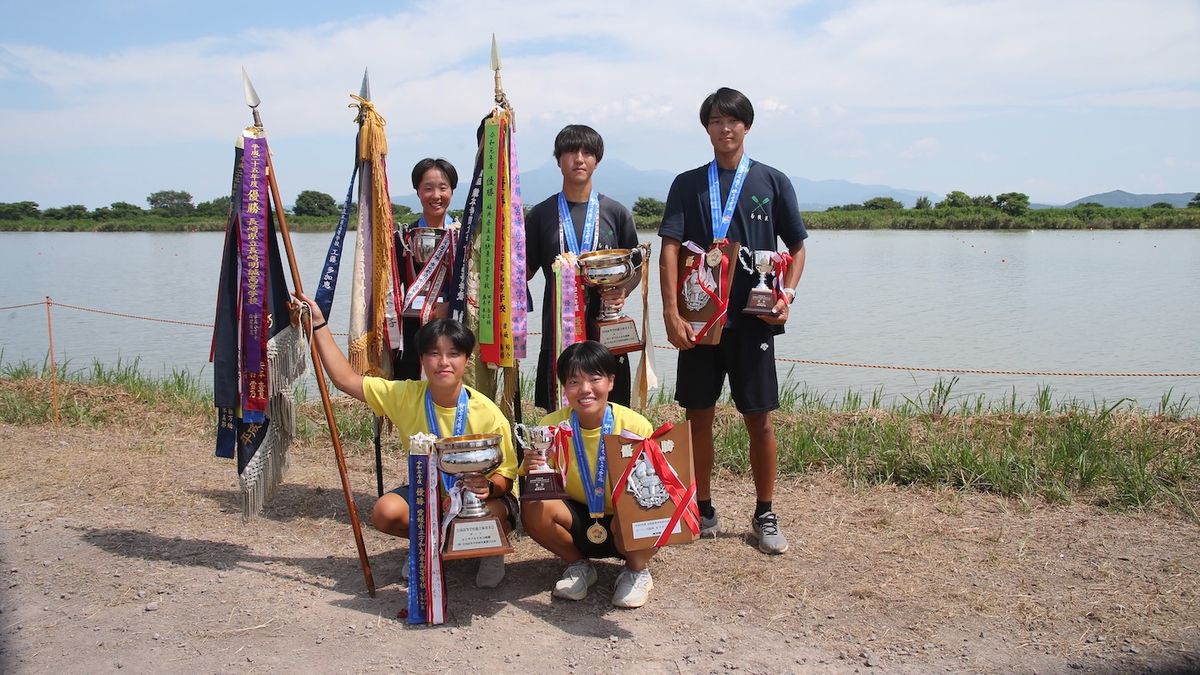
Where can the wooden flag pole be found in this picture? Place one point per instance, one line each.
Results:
(322, 386)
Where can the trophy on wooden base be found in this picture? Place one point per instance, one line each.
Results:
(613, 268)
(428, 262)
(544, 482)
(761, 299)
(474, 532)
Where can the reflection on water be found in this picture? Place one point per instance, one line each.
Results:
(1042, 301)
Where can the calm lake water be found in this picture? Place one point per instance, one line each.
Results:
(1042, 301)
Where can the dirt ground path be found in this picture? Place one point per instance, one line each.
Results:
(122, 550)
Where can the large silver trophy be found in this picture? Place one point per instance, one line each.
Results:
(426, 273)
(761, 299)
(544, 482)
(474, 532)
(608, 268)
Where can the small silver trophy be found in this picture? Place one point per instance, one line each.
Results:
(543, 482)
(761, 299)
(422, 243)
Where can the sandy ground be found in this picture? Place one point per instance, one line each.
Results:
(124, 549)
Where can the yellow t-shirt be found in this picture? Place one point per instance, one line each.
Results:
(403, 402)
(623, 418)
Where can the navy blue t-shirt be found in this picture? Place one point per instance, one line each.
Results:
(767, 211)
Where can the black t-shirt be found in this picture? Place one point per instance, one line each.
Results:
(543, 243)
(766, 211)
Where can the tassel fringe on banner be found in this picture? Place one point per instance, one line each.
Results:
(287, 362)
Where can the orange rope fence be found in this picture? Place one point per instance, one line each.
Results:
(809, 362)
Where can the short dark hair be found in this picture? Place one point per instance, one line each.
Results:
(427, 337)
(589, 358)
(439, 164)
(726, 101)
(578, 137)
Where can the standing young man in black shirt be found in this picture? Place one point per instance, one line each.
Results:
(751, 203)
(578, 220)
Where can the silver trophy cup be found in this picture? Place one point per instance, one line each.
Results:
(543, 482)
(466, 456)
(609, 267)
(761, 299)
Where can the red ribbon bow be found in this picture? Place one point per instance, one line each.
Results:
(684, 498)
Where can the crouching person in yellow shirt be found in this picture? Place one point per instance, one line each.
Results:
(441, 405)
(581, 528)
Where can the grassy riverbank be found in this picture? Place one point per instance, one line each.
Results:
(1112, 454)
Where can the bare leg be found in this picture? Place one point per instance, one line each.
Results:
(701, 422)
(390, 515)
(763, 454)
(549, 523)
(636, 561)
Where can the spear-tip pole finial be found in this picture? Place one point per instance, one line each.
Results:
(252, 99)
(364, 91)
(501, 99)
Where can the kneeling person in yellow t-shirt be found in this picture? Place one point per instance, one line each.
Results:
(443, 406)
(572, 528)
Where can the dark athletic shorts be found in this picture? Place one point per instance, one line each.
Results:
(510, 503)
(746, 354)
(542, 395)
(581, 520)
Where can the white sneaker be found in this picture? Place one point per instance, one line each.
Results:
(575, 581)
(633, 588)
(491, 572)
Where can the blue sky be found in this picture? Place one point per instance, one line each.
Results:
(108, 101)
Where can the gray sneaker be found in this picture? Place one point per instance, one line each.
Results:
(575, 581)
(709, 526)
(770, 537)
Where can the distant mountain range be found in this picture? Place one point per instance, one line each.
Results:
(625, 184)
(1125, 199)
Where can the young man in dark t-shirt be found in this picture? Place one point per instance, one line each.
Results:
(578, 150)
(763, 209)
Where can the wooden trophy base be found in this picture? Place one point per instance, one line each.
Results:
(475, 538)
(760, 303)
(620, 336)
(542, 485)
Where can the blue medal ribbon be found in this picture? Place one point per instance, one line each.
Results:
(591, 220)
(593, 485)
(421, 220)
(722, 218)
(460, 425)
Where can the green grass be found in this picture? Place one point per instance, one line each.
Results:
(1110, 454)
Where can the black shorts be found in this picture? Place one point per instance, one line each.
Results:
(581, 520)
(746, 354)
(510, 503)
(543, 394)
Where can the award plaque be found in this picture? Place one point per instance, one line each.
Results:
(652, 494)
(761, 299)
(474, 532)
(428, 264)
(608, 268)
(544, 482)
(704, 281)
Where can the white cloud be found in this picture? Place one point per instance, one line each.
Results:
(921, 148)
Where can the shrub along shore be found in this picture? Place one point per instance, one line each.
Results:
(1108, 454)
(952, 218)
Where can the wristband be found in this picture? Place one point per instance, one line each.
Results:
(791, 294)
(320, 326)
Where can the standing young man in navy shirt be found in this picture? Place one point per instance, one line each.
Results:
(751, 203)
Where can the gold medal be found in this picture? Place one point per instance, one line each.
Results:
(714, 257)
(596, 533)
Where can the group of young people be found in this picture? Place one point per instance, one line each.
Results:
(730, 197)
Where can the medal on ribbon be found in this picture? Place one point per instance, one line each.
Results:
(593, 483)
